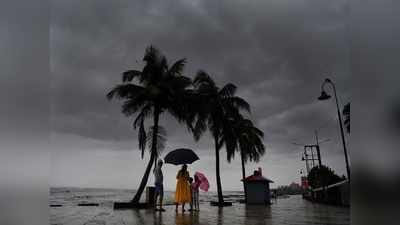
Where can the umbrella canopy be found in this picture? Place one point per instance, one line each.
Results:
(204, 185)
(181, 156)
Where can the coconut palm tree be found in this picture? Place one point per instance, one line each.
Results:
(214, 109)
(346, 114)
(147, 94)
(249, 143)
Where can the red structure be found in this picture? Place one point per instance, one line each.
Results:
(258, 191)
(304, 182)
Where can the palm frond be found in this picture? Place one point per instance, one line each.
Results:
(123, 91)
(202, 78)
(228, 90)
(249, 139)
(155, 67)
(346, 114)
(258, 132)
(163, 64)
(132, 106)
(252, 149)
(200, 126)
(177, 68)
(229, 137)
(246, 122)
(249, 126)
(142, 137)
(346, 109)
(129, 75)
(182, 82)
(240, 103)
(144, 113)
(151, 55)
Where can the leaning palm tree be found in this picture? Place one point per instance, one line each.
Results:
(214, 107)
(346, 114)
(249, 143)
(146, 94)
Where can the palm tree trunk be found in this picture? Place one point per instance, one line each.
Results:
(243, 176)
(219, 188)
(154, 146)
(145, 178)
(153, 156)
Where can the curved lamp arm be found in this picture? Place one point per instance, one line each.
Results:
(325, 96)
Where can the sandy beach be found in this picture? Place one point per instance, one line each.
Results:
(291, 210)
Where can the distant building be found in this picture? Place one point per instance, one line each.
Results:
(304, 182)
(294, 185)
(258, 190)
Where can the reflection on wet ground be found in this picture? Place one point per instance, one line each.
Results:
(293, 210)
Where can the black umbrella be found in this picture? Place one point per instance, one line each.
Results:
(181, 156)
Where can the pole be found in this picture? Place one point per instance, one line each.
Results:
(318, 150)
(312, 156)
(319, 156)
(341, 132)
(306, 158)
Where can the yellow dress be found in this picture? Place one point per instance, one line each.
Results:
(182, 194)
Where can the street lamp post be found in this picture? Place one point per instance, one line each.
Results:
(325, 96)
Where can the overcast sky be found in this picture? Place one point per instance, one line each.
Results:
(278, 52)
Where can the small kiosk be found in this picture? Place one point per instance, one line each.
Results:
(257, 189)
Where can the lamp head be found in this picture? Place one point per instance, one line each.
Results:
(324, 96)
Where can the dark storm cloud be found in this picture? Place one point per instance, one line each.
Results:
(250, 44)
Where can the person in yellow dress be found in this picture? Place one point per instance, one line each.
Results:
(182, 194)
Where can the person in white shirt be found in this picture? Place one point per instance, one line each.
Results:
(158, 183)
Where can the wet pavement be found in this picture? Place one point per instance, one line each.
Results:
(292, 210)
